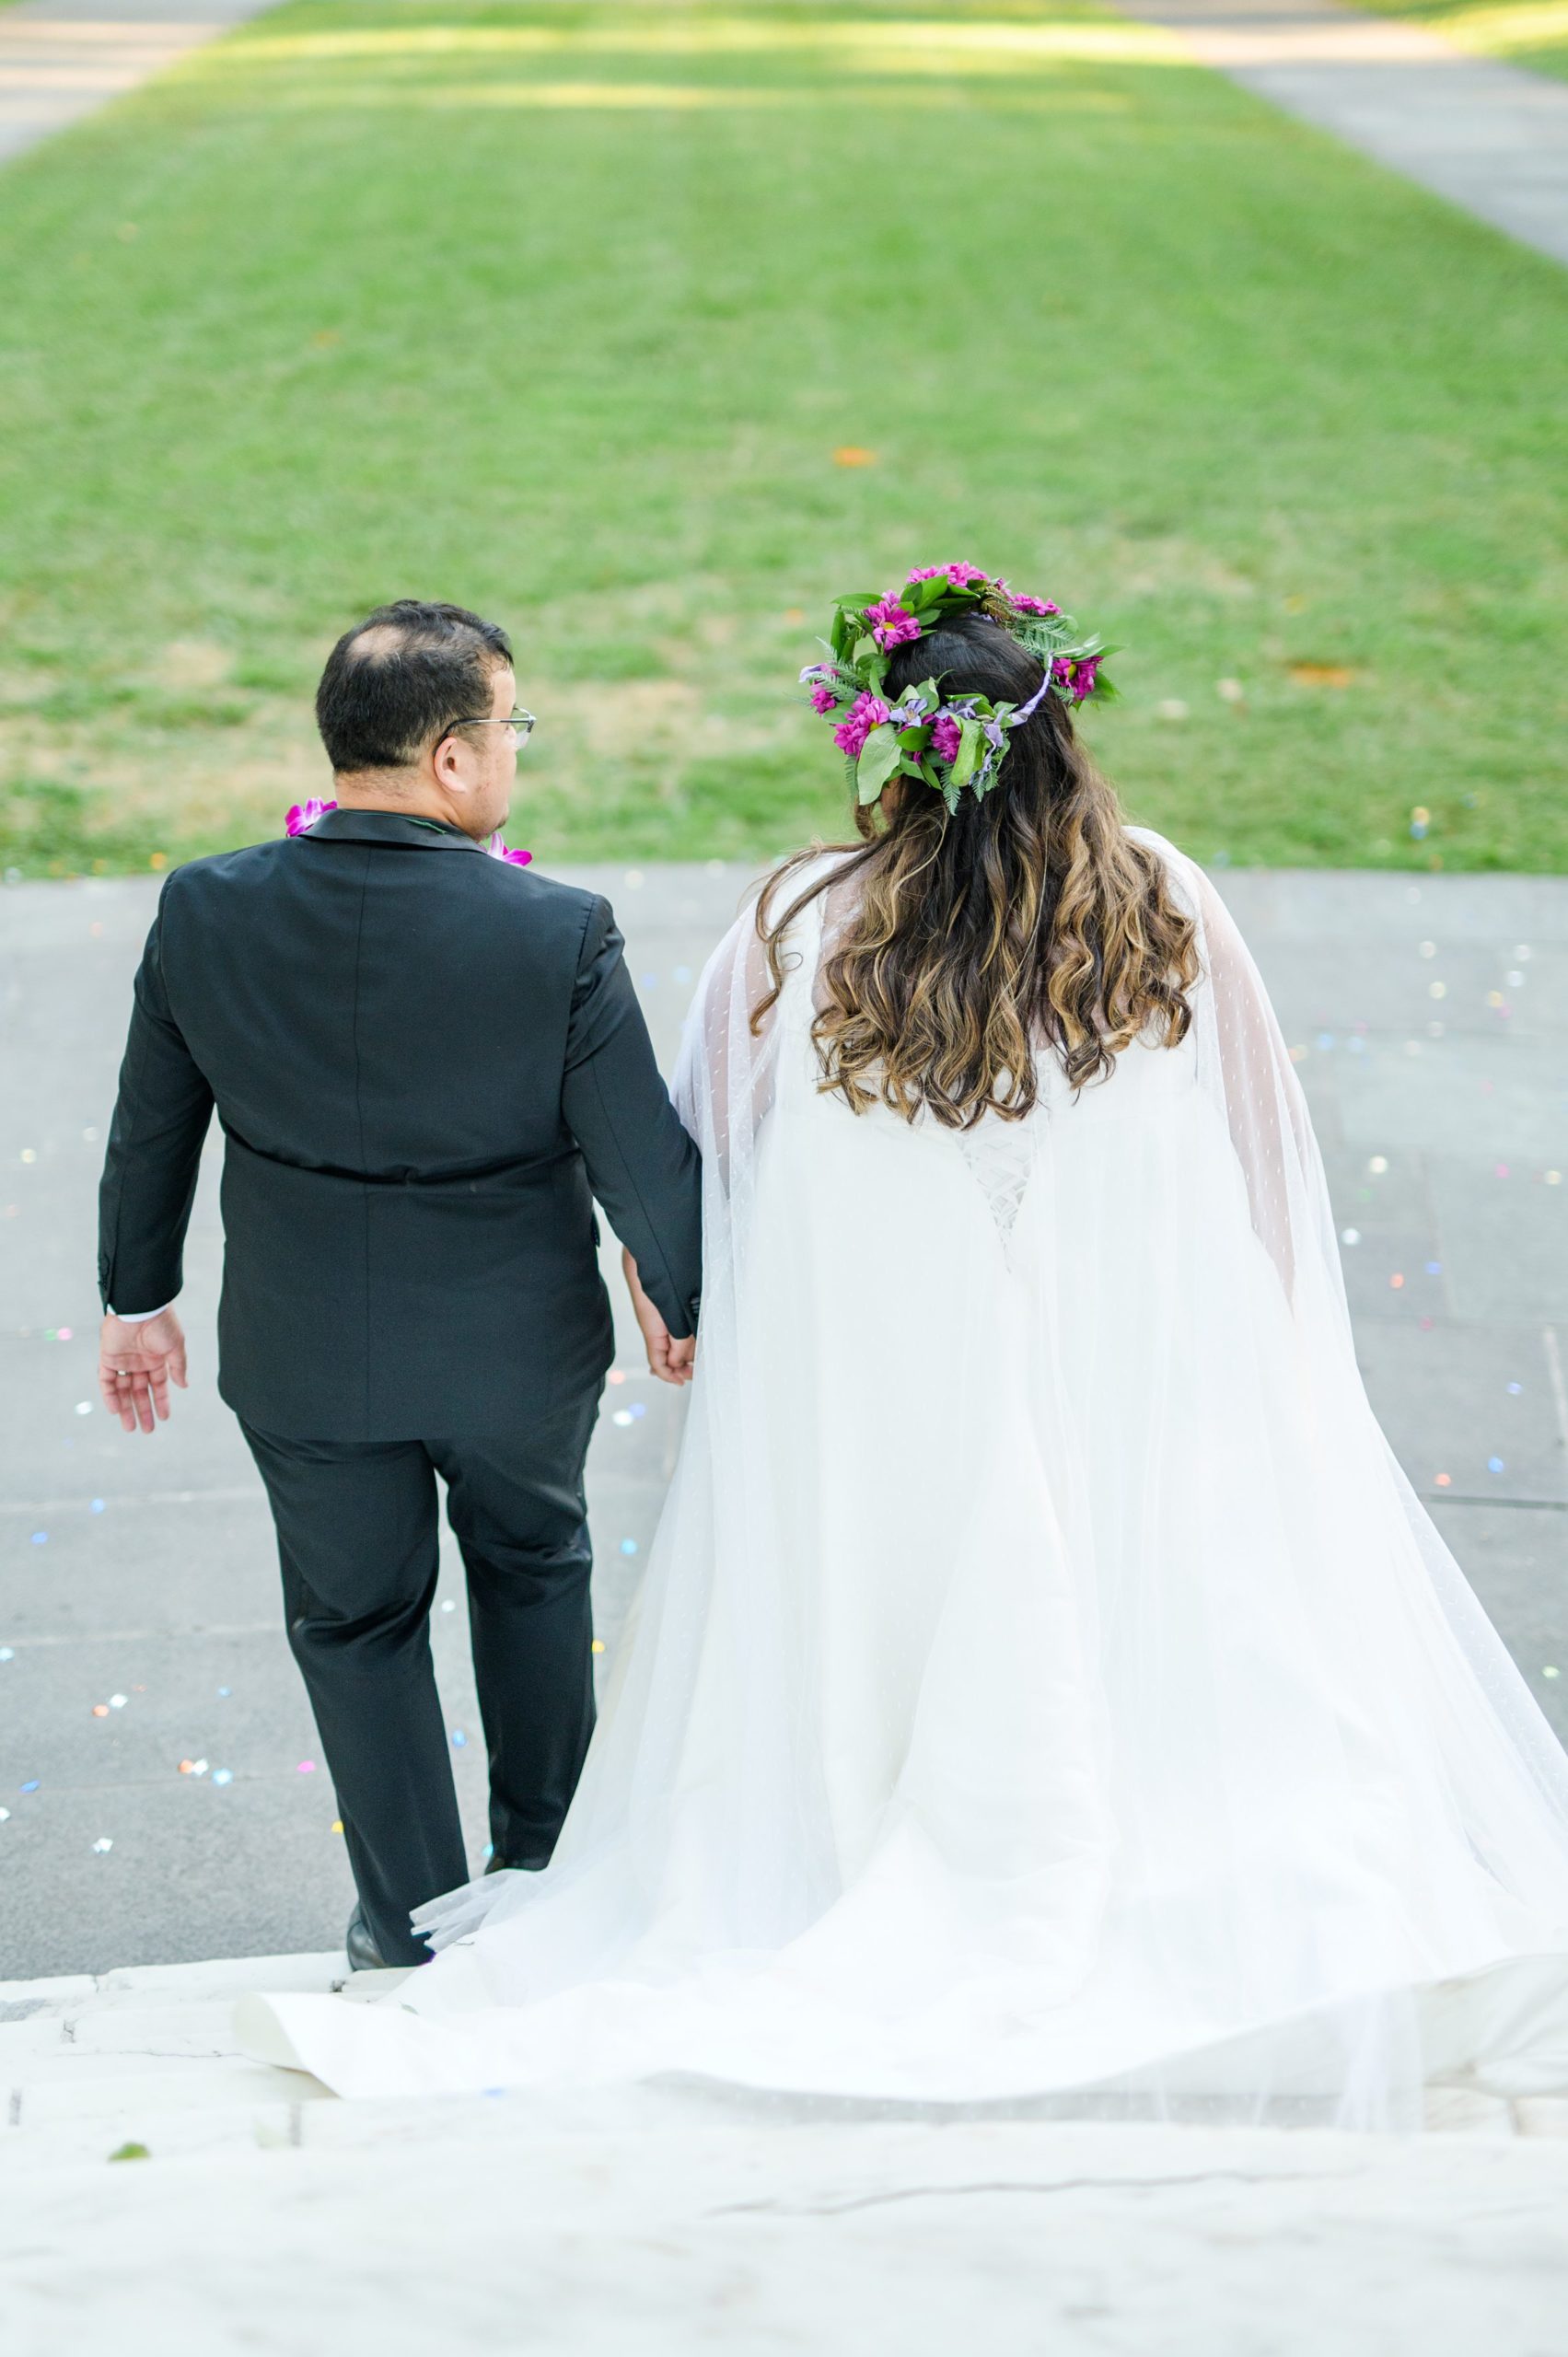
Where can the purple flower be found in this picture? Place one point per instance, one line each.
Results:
(890, 623)
(945, 737)
(498, 850)
(867, 712)
(305, 815)
(1035, 605)
(925, 572)
(824, 700)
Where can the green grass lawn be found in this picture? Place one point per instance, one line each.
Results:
(1522, 32)
(565, 312)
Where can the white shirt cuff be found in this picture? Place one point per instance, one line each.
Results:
(139, 1317)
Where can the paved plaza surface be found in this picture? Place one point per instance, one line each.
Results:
(140, 1624)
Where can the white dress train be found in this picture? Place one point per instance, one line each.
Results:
(1046, 1691)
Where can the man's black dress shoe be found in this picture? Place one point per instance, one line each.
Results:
(364, 1955)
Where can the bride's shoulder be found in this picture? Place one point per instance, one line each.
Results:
(799, 882)
(1182, 873)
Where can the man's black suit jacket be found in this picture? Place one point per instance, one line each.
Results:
(426, 1063)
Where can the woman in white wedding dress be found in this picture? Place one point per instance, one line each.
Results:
(1046, 1691)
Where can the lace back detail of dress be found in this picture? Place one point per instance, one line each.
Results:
(1001, 1157)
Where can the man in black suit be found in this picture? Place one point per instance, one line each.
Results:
(427, 1062)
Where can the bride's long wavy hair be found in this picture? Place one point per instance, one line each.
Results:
(1025, 919)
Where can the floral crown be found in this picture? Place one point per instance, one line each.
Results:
(948, 742)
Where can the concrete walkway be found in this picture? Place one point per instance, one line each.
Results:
(163, 1791)
(1490, 137)
(63, 59)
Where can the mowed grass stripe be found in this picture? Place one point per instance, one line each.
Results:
(357, 304)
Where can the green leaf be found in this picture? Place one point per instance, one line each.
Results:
(865, 648)
(130, 2152)
(968, 754)
(879, 756)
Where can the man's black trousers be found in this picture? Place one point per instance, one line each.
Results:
(357, 1538)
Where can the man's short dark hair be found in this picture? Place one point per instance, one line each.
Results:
(402, 678)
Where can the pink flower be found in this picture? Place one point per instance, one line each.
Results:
(498, 850)
(890, 623)
(960, 576)
(305, 815)
(1078, 673)
(867, 712)
(1035, 605)
(824, 700)
(945, 737)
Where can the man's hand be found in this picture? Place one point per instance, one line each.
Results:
(135, 1365)
(669, 1360)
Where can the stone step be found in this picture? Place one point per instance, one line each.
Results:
(150, 2055)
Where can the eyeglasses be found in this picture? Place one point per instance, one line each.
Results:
(519, 722)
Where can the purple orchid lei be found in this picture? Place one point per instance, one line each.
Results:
(303, 815)
(946, 742)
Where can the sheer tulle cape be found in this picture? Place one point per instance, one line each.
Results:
(1046, 1690)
